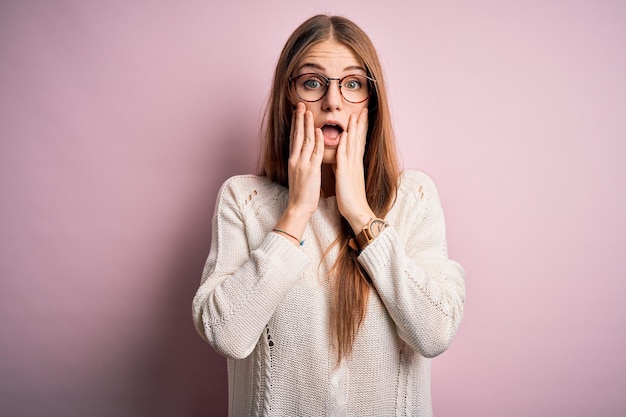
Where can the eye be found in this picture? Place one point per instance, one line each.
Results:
(353, 83)
(312, 82)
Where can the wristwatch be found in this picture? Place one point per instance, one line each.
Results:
(370, 231)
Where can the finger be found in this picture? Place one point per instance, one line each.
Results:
(362, 122)
(291, 130)
(318, 151)
(351, 146)
(298, 130)
(342, 146)
(362, 125)
(309, 133)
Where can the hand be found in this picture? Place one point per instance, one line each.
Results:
(349, 173)
(306, 150)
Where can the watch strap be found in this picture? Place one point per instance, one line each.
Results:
(366, 236)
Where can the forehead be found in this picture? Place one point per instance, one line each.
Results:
(332, 56)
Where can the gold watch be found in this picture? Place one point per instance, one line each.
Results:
(370, 231)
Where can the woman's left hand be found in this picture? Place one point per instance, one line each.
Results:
(349, 173)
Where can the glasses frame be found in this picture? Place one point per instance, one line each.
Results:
(292, 81)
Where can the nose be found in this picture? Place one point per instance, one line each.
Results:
(333, 99)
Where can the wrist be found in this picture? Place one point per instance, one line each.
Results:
(292, 224)
(370, 231)
(297, 241)
(298, 212)
(360, 220)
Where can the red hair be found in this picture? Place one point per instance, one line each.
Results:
(349, 281)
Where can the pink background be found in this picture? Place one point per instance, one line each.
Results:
(120, 119)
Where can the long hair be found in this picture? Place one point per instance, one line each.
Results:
(349, 282)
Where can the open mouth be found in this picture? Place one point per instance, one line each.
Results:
(332, 131)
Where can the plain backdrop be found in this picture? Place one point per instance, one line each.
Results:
(119, 120)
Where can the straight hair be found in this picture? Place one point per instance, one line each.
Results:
(349, 282)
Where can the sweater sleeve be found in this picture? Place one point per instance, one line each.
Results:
(242, 286)
(423, 290)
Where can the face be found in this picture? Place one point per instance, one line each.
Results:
(333, 60)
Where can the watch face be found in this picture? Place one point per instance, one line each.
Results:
(376, 226)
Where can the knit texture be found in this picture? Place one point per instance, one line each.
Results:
(264, 304)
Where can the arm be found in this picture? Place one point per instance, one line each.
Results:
(241, 286)
(421, 288)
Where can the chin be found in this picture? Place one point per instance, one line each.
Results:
(330, 156)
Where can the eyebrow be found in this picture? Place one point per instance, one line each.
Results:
(321, 68)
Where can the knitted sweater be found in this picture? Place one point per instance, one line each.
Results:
(264, 304)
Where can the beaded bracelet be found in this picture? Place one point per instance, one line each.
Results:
(300, 242)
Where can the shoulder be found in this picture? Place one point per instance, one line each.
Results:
(416, 185)
(240, 182)
(241, 190)
(417, 201)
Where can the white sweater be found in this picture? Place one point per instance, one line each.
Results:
(264, 304)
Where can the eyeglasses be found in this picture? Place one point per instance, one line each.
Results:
(313, 87)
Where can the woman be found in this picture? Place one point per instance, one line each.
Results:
(328, 285)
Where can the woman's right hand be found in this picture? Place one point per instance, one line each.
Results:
(306, 150)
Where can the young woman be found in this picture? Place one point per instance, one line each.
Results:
(328, 286)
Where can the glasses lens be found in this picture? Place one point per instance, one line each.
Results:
(355, 88)
(310, 87)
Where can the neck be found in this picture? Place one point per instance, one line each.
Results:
(328, 180)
